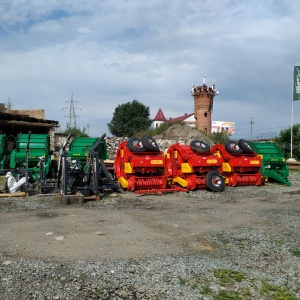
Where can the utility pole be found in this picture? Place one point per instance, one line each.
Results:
(72, 116)
(251, 124)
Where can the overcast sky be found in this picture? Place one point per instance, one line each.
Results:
(110, 52)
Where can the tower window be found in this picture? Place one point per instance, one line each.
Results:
(205, 114)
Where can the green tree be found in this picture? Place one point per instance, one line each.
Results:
(9, 104)
(220, 137)
(284, 141)
(130, 118)
(76, 132)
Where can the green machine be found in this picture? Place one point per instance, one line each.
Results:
(79, 149)
(82, 170)
(34, 148)
(3, 151)
(273, 162)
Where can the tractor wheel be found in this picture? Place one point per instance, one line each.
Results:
(199, 146)
(233, 147)
(245, 146)
(149, 143)
(135, 145)
(215, 181)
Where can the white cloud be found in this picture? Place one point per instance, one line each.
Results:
(111, 52)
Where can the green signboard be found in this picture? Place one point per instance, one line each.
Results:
(296, 89)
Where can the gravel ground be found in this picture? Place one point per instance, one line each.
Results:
(249, 250)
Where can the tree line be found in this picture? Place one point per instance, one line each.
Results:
(133, 117)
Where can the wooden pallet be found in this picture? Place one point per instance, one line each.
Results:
(19, 194)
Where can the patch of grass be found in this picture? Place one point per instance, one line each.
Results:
(205, 290)
(277, 292)
(246, 294)
(295, 252)
(229, 276)
(182, 281)
(227, 295)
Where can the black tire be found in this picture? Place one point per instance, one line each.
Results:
(245, 146)
(135, 145)
(233, 147)
(215, 181)
(149, 143)
(199, 146)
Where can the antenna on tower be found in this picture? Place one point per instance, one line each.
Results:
(72, 116)
(204, 79)
(193, 88)
(251, 124)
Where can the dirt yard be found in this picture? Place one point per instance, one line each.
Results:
(127, 225)
(242, 243)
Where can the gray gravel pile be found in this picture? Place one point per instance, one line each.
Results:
(248, 264)
(241, 263)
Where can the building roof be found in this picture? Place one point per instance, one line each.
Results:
(160, 116)
(178, 119)
(23, 118)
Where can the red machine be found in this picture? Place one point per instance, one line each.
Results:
(140, 166)
(240, 164)
(194, 167)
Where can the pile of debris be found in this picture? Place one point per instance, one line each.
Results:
(112, 144)
(182, 134)
(185, 133)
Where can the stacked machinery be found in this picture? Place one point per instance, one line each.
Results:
(140, 165)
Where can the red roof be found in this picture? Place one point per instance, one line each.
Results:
(178, 119)
(160, 116)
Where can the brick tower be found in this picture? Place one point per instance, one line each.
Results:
(203, 105)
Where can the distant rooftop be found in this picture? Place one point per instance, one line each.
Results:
(178, 119)
(160, 116)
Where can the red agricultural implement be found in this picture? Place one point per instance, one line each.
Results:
(240, 164)
(140, 167)
(194, 167)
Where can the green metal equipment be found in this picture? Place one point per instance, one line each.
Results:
(29, 150)
(80, 147)
(3, 151)
(274, 166)
(81, 169)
